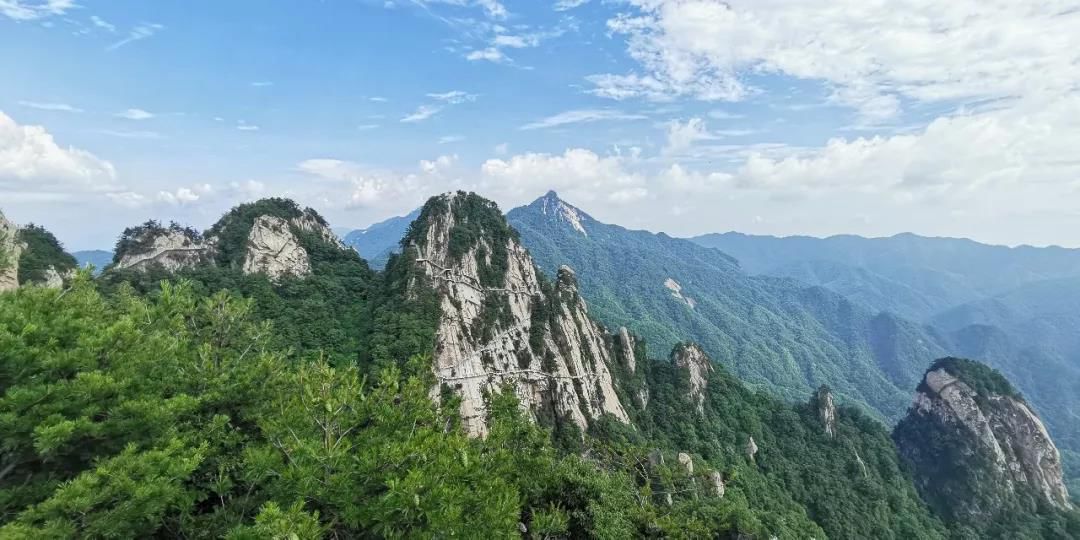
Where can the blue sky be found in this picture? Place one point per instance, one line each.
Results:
(686, 116)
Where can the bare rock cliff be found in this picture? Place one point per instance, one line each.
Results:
(974, 444)
(274, 250)
(10, 249)
(502, 326)
(691, 358)
(172, 248)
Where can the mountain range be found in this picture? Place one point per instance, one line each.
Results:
(272, 384)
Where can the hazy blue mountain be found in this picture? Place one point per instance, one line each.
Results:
(911, 275)
(1018, 309)
(776, 333)
(97, 257)
(377, 242)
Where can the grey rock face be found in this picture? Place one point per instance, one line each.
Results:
(567, 373)
(687, 462)
(827, 410)
(173, 250)
(10, 249)
(717, 481)
(274, 250)
(996, 447)
(751, 448)
(692, 358)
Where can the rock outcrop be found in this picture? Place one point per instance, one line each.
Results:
(274, 250)
(10, 249)
(171, 248)
(270, 237)
(500, 325)
(691, 358)
(826, 407)
(751, 448)
(974, 445)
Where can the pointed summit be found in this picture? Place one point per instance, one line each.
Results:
(561, 212)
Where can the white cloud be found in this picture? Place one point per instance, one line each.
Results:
(490, 54)
(139, 32)
(244, 126)
(438, 165)
(262, 84)
(578, 173)
(127, 199)
(136, 114)
(28, 10)
(681, 136)
(872, 55)
(423, 112)
(501, 149)
(378, 99)
(30, 160)
(453, 97)
(447, 139)
(367, 127)
(102, 23)
(185, 195)
(61, 107)
(361, 187)
(492, 8)
(581, 116)
(564, 5)
(128, 134)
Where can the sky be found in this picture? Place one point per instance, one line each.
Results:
(783, 117)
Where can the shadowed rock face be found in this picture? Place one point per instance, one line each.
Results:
(9, 255)
(827, 410)
(499, 325)
(973, 450)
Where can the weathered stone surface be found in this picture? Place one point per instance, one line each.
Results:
(692, 358)
(827, 410)
(677, 292)
(687, 462)
(10, 249)
(172, 249)
(274, 250)
(717, 481)
(751, 448)
(626, 344)
(53, 279)
(569, 372)
(997, 447)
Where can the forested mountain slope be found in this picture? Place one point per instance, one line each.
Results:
(773, 333)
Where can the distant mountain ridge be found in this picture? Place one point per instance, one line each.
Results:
(376, 242)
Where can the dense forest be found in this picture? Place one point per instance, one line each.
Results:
(213, 403)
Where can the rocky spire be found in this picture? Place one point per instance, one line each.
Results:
(826, 410)
(973, 443)
(501, 325)
(691, 358)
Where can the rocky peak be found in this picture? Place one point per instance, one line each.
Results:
(173, 247)
(692, 358)
(501, 325)
(10, 249)
(826, 408)
(974, 444)
(562, 212)
(274, 250)
(269, 236)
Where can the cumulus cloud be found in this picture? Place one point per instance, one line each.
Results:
(489, 54)
(871, 54)
(29, 10)
(581, 173)
(581, 116)
(184, 195)
(31, 160)
(564, 5)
